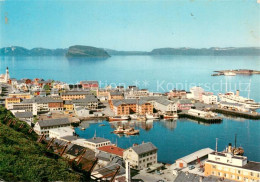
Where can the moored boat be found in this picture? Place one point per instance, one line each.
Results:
(174, 116)
(119, 130)
(118, 118)
(230, 73)
(151, 116)
(131, 131)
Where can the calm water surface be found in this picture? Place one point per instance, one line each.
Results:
(159, 73)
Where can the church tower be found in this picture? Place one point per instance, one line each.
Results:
(7, 76)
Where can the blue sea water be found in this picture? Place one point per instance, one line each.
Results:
(159, 74)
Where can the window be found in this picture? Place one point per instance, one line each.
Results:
(238, 171)
(214, 166)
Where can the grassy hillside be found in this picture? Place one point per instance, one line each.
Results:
(23, 159)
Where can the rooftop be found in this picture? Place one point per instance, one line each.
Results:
(97, 140)
(112, 149)
(23, 114)
(200, 153)
(54, 122)
(144, 147)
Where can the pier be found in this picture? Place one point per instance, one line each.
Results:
(246, 115)
(200, 118)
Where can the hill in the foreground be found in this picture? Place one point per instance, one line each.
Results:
(86, 51)
(23, 159)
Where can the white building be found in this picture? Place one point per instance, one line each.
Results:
(209, 98)
(96, 142)
(165, 105)
(28, 107)
(43, 127)
(141, 156)
(197, 92)
(4, 78)
(81, 111)
(61, 132)
(191, 159)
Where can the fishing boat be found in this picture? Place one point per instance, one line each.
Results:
(102, 125)
(174, 116)
(133, 116)
(119, 130)
(118, 118)
(131, 131)
(82, 128)
(151, 116)
(230, 73)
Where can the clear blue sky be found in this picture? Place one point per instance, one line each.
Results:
(130, 25)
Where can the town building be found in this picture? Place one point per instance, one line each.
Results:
(20, 95)
(141, 156)
(4, 78)
(180, 94)
(11, 100)
(43, 127)
(61, 132)
(185, 104)
(111, 151)
(192, 159)
(116, 95)
(209, 98)
(70, 95)
(24, 116)
(68, 105)
(96, 142)
(197, 93)
(25, 106)
(92, 85)
(166, 106)
(233, 167)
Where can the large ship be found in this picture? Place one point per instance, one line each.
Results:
(236, 98)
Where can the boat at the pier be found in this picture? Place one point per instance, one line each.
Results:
(173, 116)
(131, 131)
(151, 116)
(230, 73)
(236, 98)
(119, 130)
(118, 118)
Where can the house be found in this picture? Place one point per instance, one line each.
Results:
(185, 104)
(180, 94)
(25, 106)
(61, 132)
(231, 167)
(144, 107)
(197, 93)
(209, 98)
(116, 95)
(96, 142)
(43, 127)
(165, 105)
(68, 105)
(25, 116)
(92, 85)
(70, 95)
(20, 95)
(192, 159)
(111, 151)
(81, 111)
(90, 102)
(141, 156)
(11, 100)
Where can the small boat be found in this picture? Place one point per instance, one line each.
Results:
(133, 116)
(82, 128)
(102, 125)
(230, 73)
(119, 130)
(131, 131)
(118, 118)
(150, 116)
(174, 116)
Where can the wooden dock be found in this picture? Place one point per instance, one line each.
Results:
(199, 118)
(246, 115)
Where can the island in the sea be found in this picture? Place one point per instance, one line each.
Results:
(94, 52)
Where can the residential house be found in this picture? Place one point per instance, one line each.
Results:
(24, 116)
(43, 126)
(141, 156)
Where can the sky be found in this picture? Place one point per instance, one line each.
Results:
(130, 25)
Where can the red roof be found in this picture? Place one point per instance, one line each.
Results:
(112, 149)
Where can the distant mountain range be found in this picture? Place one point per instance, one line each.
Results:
(88, 51)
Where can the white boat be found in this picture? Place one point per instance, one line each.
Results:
(232, 98)
(133, 116)
(118, 118)
(230, 73)
(150, 116)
